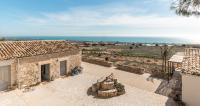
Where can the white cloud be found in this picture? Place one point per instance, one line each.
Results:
(36, 20)
(92, 18)
(115, 20)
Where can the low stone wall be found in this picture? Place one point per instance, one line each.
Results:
(130, 69)
(98, 62)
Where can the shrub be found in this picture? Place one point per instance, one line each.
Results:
(120, 88)
(156, 44)
(99, 55)
(140, 44)
(148, 61)
(183, 45)
(106, 59)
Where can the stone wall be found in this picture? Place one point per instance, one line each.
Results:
(73, 61)
(28, 74)
(98, 62)
(130, 69)
(54, 69)
(29, 68)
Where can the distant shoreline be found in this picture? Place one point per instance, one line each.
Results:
(144, 40)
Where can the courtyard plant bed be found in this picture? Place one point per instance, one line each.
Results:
(159, 74)
(106, 88)
(131, 69)
(98, 62)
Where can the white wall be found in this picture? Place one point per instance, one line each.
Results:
(191, 90)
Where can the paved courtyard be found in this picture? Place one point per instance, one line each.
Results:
(72, 91)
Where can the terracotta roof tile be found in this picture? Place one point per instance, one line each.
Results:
(14, 49)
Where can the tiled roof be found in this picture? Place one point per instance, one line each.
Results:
(14, 49)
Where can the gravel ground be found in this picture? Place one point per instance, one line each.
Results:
(135, 80)
(72, 91)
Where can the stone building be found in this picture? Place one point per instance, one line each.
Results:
(26, 63)
(189, 68)
(191, 77)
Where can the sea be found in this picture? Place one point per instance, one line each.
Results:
(105, 39)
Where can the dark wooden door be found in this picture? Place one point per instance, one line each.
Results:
(63, 68)
(45, 72)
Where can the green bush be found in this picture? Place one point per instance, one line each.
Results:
(120, 87)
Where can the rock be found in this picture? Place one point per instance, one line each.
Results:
(107, 85)
(107, 93)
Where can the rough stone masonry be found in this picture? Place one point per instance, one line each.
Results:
(25, 59)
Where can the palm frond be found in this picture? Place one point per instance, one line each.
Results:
(186, 7)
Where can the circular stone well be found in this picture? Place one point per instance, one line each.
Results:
(109, 87)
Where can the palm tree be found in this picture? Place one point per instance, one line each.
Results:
(165, 51)
(186, 7)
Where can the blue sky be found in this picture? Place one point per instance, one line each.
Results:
(95, 17)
